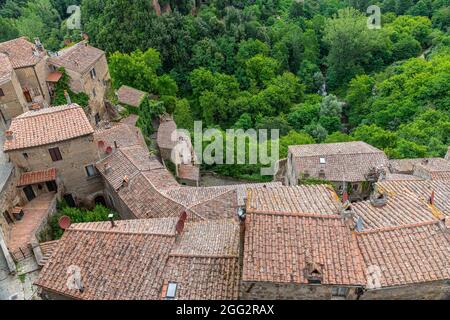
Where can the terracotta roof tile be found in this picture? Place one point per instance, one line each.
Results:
(204, 278)
(318, 199)
(20, 52)
(113, 265)
(189, 172)
(409, 254)
(402, 209)
(164, 134)
(347, 161)
(48, 125)
(79, 57)
(6, 68)
(278, 248)
(130, 96)
(124, 135)
(136, 258)
(35, 177)
(422, 190)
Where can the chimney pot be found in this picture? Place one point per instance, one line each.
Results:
(432, 198)
(125, 181)
(111, 218)
(107, 168)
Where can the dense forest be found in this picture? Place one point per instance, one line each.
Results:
(311, 68)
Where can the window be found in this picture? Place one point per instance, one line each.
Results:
(55, 154)
(2, 94)
(94, 93)
(25, 155)
(7, 217)
(355, 187)
(91, 171)
(97, 118)
(322, 161)
(171, 290)
(339, 292)
(322, 174)
(93, 73)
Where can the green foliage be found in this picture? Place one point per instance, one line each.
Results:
(81, 98)
(77, 215)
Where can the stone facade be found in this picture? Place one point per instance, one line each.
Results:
(95, 87)
(71, 170)
(13, 102)
(33, 81)
(438, 290)
(289, 291)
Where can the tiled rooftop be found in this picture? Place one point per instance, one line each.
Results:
(278, 248)
(20, 52)
(79, 57)
(6, 68)
(48, 125)
(318, 199)
(348, 161)
(137, 258)
(123, 134)
(165, 131)
(409, 254)
(422, 190)
(341, 148)
(399, 210)
(35, 177)
(130, 96)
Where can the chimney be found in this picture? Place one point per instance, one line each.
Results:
(9, 135)
(111, 218)
(125, 181)
(313, 272)
(432, 198)
(66, 94)
(107, 168)
(38, 44)
(345, 197)
(180, 224)
(115, 144)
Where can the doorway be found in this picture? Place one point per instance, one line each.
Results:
(51, 186)
(29, 193)
(69, 200)
(100, 200)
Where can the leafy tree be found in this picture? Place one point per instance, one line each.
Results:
(293, 138)
(183, 115)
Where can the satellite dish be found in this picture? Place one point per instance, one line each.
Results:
(109, 150)
(64, 222)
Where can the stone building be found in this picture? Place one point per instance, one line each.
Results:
(88, 70)
(350, 166)
(153, 259)
(53, 149)
(297, 246)
(12, 101)
(26, 83)
(166, 136)
(406, 262)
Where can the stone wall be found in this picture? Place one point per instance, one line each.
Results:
(71, 170)
(84, 83)
(9, 198)
(13, 103)
(34, 79)
(438, 290)
(289, 291)
(113, 200)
